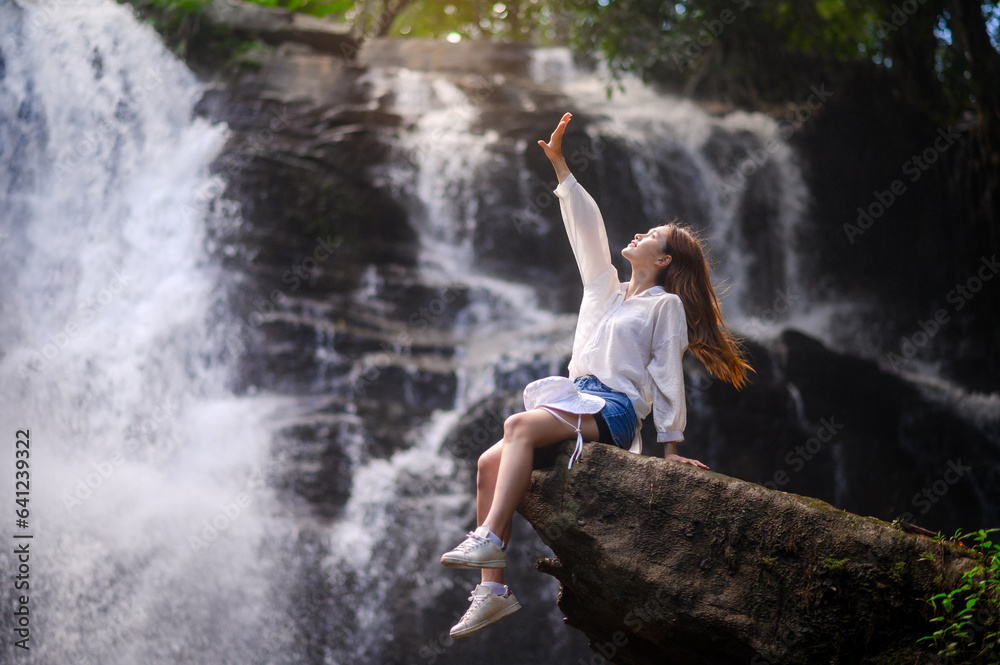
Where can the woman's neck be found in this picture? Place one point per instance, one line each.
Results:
(641, 280)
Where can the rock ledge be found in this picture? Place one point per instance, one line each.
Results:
(659, 562)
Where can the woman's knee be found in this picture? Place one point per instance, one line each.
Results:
(489, 464)
(516, 428)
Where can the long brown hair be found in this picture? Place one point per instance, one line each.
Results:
(687, 275)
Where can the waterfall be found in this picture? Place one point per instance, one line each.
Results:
(163, 528)
(404, 511)
(447, 169)
(714, 171)
(156, 537)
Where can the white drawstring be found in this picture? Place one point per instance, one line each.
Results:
(578, 449)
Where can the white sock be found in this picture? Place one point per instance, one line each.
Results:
(496, 539)
(499, 589)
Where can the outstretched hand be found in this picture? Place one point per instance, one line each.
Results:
(687, 460)
(553, 149)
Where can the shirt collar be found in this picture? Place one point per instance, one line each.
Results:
(653, 291)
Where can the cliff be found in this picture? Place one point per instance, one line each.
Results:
(660, 562)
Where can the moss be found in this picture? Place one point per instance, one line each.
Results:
(834, 566)
(898, 572)
(818, 504)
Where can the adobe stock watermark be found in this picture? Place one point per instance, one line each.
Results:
(783, 301)
(481, 438)
(105, 641)
(635, 620)
(100, 472)
(225, 515)
(408, 161)
(86, 312)
(701, 380)
(251, 145)
(789, 638)
(788, 124)
(898, 17)
(913, 168)
(797, 457)
(238, 338)
(418, 321)
(105, 132)
(692, 48)
(931, 494)
(228, 512)
(579, 161)
(44, 12)
(959, 297)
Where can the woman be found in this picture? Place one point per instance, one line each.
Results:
(626, 362)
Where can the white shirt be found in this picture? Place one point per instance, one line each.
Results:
(633, 345)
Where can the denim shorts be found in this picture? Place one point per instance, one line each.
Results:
(616, 421)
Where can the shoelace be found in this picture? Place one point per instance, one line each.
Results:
(476, 602)
(471, 542)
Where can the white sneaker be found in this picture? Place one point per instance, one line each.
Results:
(477, 551)
(486, 608)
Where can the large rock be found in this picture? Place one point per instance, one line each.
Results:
(664, 563)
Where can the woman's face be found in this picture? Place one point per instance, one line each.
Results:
(646, 248)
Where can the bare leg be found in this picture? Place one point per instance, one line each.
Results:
(486, 480)
(505, 472)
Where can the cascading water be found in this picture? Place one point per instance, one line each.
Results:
(156, 538)
(404, 510)
(160, 535)
(706, 169)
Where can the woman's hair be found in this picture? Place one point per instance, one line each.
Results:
(687, 275)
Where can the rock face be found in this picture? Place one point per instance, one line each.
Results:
(333, 294)
(336, 310)
(661, 562)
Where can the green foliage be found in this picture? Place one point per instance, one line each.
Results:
(312, 7)
(898, 572)
(173, 9)
(176, 20)
(753, 51)
(181, 24)
(835, 566)
(497, 20)
(967, 618)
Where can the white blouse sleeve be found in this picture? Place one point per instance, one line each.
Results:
(585, 228)
(667, 373)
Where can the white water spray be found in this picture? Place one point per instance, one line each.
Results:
(151, 517)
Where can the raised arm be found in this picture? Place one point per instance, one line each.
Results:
(582, 217)
(553, 149)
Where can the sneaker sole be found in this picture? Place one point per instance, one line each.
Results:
(455, 562)
(506, 612)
